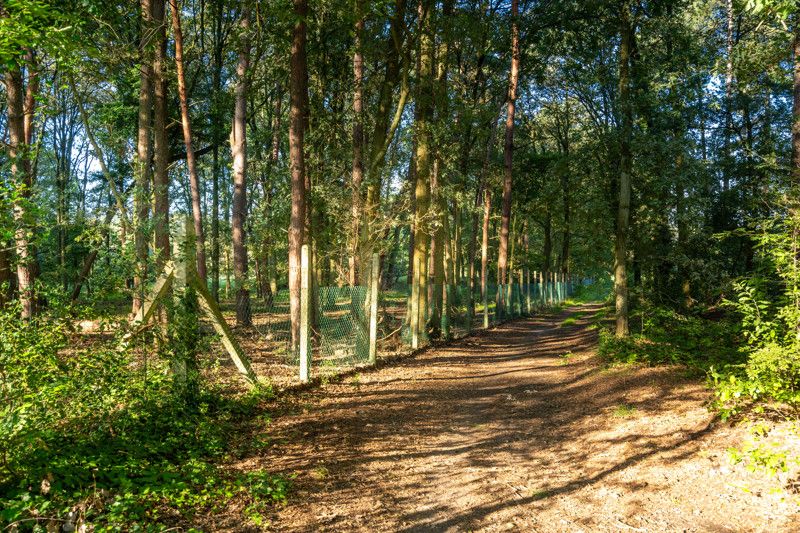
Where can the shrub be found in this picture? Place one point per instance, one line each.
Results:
(771, 373)
(107, 436)
(668, 337)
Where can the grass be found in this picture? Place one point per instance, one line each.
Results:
(623, 411)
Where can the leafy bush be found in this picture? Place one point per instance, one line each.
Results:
(768, 304)
(101, 435)
(668, 337)
(771, 373)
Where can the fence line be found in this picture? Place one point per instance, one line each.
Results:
(348, 326)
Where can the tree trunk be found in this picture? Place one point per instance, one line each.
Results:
(424, 117)
(383, 130)
(441, 237)
(191, 163)
(239, 155)
(161, 143)
(547, 244)
(795, 173)
(22, 179)
(143, 154)
(218, 43)
(623, 208)
(358, 145)
(298, 97)
(726, 171)
(508, 150)
(565, 238)
(487, 210)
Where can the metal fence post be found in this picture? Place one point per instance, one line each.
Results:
(305, 316)
(373, 309)
(528, 291)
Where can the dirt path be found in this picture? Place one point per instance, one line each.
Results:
(505, 432)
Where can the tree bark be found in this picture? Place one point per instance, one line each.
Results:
(218, 44)
(508, 150)
(626, 157)
(726, 171)
(191, 162)
(424, 112)
(239, 155)
(441, 236)
(795, 173)
(298, 98)
(358, 144)
(383, 130)
(161, 144)
(22, 180)
(144, 151)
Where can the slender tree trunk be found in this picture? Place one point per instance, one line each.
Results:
(298, 97)
(383, 130)
(726, 171)
(487, 210)
(623, 208)
(271, 286)
(144, 152)
(191, 163)
(565, 238)
(441, 237)
(547, 243)
(239, 155)
(508, 150)
(358, 144)
(424, 112)
(795, 173)
(218, 43)
(794, 178)
(412, 202)
(18, 154)
(161, 143)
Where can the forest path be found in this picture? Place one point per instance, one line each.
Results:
(504, 431)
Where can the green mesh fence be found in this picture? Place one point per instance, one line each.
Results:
(270, 316)
(459, 319)
(341, 327)
(393, 332)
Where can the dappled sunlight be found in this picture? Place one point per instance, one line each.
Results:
(498, 428)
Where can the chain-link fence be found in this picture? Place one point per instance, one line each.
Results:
(345, 322)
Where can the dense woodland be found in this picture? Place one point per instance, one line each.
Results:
(470, 143)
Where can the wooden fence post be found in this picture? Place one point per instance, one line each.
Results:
(305, 301)
(373, 309)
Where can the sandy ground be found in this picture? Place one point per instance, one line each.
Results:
(520, 429)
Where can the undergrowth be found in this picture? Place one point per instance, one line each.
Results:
(96, 436)
(664, 336)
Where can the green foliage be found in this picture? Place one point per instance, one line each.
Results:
(760, 454)
(599, 291)
(771, 373)
(668, 337)
(623, 411)
(105, 434)
(767, 304)
(34, 24)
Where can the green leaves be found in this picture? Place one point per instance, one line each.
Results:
(34, 24)
(781, 9)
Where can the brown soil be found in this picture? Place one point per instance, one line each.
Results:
(505, 432)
